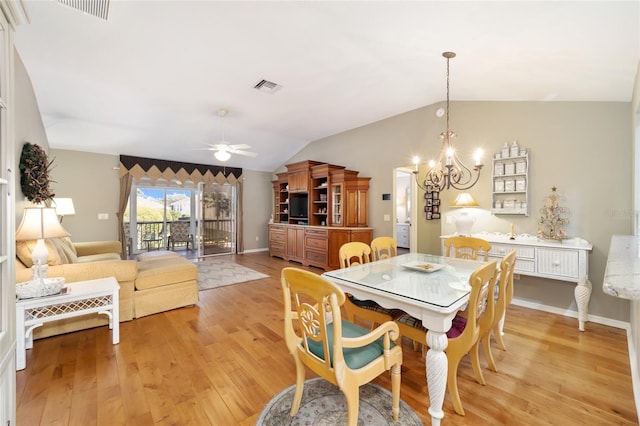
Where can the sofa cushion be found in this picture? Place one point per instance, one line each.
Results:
(161, 272)
(24, 250)
(155, 255)
(97, 257)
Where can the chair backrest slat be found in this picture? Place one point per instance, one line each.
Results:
(354, 253)
(466, 247)
(384, 248)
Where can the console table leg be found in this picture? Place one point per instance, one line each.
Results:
(582, 295)
(436, 365)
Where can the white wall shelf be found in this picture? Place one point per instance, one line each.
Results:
(510, 183)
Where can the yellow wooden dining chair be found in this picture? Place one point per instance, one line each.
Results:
(357, 253)
(508, 264)
(466, 247)
(465, 329)
(384, 248)
(496, 307)
(462, 248)
(341, 352)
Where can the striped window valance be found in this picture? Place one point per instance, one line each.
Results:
(140, 167)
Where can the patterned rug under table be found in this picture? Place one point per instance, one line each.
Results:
(323, 404)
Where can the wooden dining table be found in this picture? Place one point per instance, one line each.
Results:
(429, 287)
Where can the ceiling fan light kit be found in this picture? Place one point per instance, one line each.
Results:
(222, 155)
(222, 149)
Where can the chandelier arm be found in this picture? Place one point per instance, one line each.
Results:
(462, 174)
(464, 188)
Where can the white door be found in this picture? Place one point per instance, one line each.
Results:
(7, 231)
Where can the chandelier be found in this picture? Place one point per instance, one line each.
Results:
(449, 171)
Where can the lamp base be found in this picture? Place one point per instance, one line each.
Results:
(464, 222)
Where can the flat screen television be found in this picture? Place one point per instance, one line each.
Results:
(299, 206)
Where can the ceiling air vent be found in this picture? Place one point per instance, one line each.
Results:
(98, 8)
(267, 86)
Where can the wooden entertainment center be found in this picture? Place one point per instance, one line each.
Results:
(317, 208)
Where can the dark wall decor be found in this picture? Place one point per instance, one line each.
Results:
(34, 174)
(432, 199)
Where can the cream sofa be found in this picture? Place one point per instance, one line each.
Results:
(146, 287)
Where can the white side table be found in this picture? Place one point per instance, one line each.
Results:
(99, 296)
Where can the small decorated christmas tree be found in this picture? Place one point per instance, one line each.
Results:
(551, 222)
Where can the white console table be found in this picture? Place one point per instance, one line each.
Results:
(567, 260)
(84, 297)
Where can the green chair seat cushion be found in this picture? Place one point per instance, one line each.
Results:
(354, 357)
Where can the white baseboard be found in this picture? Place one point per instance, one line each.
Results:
(635, 379)
(570, 313)
(255, 250)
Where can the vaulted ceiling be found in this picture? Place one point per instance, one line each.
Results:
(149, 80)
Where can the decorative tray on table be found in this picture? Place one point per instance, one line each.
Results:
(424, 266)
(34, 288)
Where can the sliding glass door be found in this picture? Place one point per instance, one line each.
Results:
(217, 215)
(153, 211)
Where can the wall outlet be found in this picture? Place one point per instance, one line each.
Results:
(449, 220)
(103, 216)
(387, 217)
(257, 238)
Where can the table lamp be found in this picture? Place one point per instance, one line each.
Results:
(64, 207)
(39, 223)
(464, 221)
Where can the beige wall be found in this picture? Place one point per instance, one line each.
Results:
(634, 345)
(28, 126)
(583, 148)
(93, 184)
(257, 209)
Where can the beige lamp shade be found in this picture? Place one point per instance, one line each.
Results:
(38, 223)
(464, 199)
(64, 206)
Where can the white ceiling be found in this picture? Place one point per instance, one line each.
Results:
(149, 80)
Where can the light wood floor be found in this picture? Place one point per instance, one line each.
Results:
(221, 361)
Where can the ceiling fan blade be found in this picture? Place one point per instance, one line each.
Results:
(216, 146)
(240, 146)
(240, 152)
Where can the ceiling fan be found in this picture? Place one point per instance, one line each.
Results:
(223, 149)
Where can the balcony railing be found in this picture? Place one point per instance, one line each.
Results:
(152, 235)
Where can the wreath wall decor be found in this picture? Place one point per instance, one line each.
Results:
(34, 174)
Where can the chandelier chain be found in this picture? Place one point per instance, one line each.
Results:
(449, 171)
(448, 58)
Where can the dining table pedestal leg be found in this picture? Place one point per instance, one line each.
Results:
(436, 365)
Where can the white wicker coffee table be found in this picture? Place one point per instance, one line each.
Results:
(83, 297)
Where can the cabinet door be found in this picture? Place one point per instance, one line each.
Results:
(363, 207)
(351, 208)
(295, 243)
(298, 182)
(337, 204)
(356, 207)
